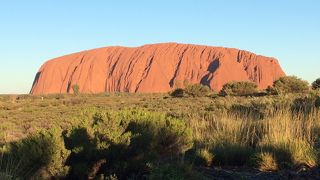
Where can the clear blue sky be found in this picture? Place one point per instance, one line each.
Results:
(32, 32)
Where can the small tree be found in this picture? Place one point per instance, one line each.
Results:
(242, 88)
(179, 92)
(197, 90)
(75, 89)
(271, 90)
(291, 84)
(316, 84)
(194, 90)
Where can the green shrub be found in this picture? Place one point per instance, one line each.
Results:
(125, 143)
(42, 155)
(272, 90)
(179, 92)
(194, 90)
(316, 84)
(101, 138)
(75, 89)
(174, 138)
(162, 137)
(197, 90)
(242, 88)
(82, 148)
(291, 84)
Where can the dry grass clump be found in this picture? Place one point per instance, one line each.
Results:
(204, 157)
(292, 138)
(286, 139)
(265, 161)
(293, 153)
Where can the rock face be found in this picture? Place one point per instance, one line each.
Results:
(153, 68)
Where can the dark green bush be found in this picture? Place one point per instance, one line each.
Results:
(126, 143)
(42, 155)
(179, 92)
(197, 90)
(316, 84)
(194, 90)
(83, 152)
(242, 88)
(291, 84)
(272, 91)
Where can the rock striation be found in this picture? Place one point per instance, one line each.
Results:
(153, 68)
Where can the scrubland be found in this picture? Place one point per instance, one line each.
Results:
(156, 136)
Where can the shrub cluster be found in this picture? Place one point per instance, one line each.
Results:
(242, 88)
(194, 90)
(287, 84)
(122, 144)
(179, 92)
(290, 84)
(316, 84)
(125, 143)
(40, 156)
(197, 90)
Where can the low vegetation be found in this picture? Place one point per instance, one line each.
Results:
(290, 84)
(316, 84)
(191, 90)
(75, 89)
(155, 136)
(243, 88)
(265, 161)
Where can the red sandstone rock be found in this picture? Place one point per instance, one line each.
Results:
(153, 68)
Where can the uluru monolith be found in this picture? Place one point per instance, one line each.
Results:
(153, 68)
